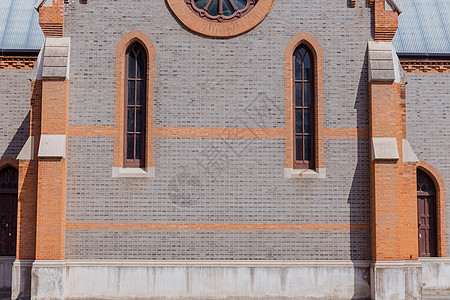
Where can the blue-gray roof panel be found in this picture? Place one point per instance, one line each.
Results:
(424, 27)
(19, 25)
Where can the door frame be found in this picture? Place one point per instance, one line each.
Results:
(439, 186)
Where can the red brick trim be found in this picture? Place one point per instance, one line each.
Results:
(441, 212)
(125, 42)
(228, 29)
(17, 62)
(316, 49)
(427, 66)
(51, 19)
(9, 161)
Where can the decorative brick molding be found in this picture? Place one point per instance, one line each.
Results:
(9, 161)
(17, 62)
(125, 42)
(441, 205)
(316, 49)
(426, 66)
(229, 29)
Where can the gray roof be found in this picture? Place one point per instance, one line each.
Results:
(19, 25)
(424, 27)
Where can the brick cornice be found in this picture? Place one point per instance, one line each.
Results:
(427, 66)
(229, 29)
(17, 62)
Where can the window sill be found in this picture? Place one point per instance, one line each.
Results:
(120, 172)
(319, 173)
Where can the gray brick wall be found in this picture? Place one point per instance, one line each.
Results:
(428, 123)
(15, 94)
(205, 82)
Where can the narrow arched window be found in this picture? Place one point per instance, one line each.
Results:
(135, 96)
(303, 108)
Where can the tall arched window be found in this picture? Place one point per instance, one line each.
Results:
(303, 108)
(135, 96)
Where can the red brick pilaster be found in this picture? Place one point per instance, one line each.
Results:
(51, 197)
(51, 18)
(393, 182)
(386, 22)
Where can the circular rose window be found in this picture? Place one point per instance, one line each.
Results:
(220, 18)
(221, 10)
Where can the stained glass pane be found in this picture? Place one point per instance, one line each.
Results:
(298, 148)
(130, 120)
(240, 3)
(308, 123)
(227, 8)
(130, 146)
(307, 66)
(308, 94)
(302, 51)
(298, 94)
(214, 8)
(140, 92)
(139, 120)
(131, 65)
(201, 3)
(131, 90)
(298, 121)
(308, 149)
(298, 67)
(141, 65)
(138, 146)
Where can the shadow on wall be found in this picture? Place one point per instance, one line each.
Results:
(359, 195)
(19, 139)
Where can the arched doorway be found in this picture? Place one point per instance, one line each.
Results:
(8, 211)
(426, 214)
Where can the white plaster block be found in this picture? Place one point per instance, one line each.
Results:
(21, 279)
(6, 263)
(57, 42)
(148, 172)
(52, 145)
(48, 280)
(408, 152)
(436, 274)
(319, 173)
(27, 152)
(384, 148)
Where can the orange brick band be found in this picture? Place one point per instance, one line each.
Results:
(217, 226)
(219, 132)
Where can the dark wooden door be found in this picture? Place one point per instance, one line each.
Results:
(426, 213)
(8, 211)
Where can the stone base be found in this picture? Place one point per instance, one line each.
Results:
(21, 279)
(48, 279)
(6, 263)
(436, 275)
(396, 280)
(103, 279)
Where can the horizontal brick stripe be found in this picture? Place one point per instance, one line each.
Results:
(220, 132)
(91, 131)
(216, 226)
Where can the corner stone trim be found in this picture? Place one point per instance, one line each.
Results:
(228, 29)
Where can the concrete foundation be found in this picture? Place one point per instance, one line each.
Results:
(200, 280)
(21, 279)
(436, 275)
(6, 263)
(396, 280)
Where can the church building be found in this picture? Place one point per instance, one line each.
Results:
(224, 149)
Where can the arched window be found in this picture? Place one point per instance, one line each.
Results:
(303, 108)
(135, 97)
